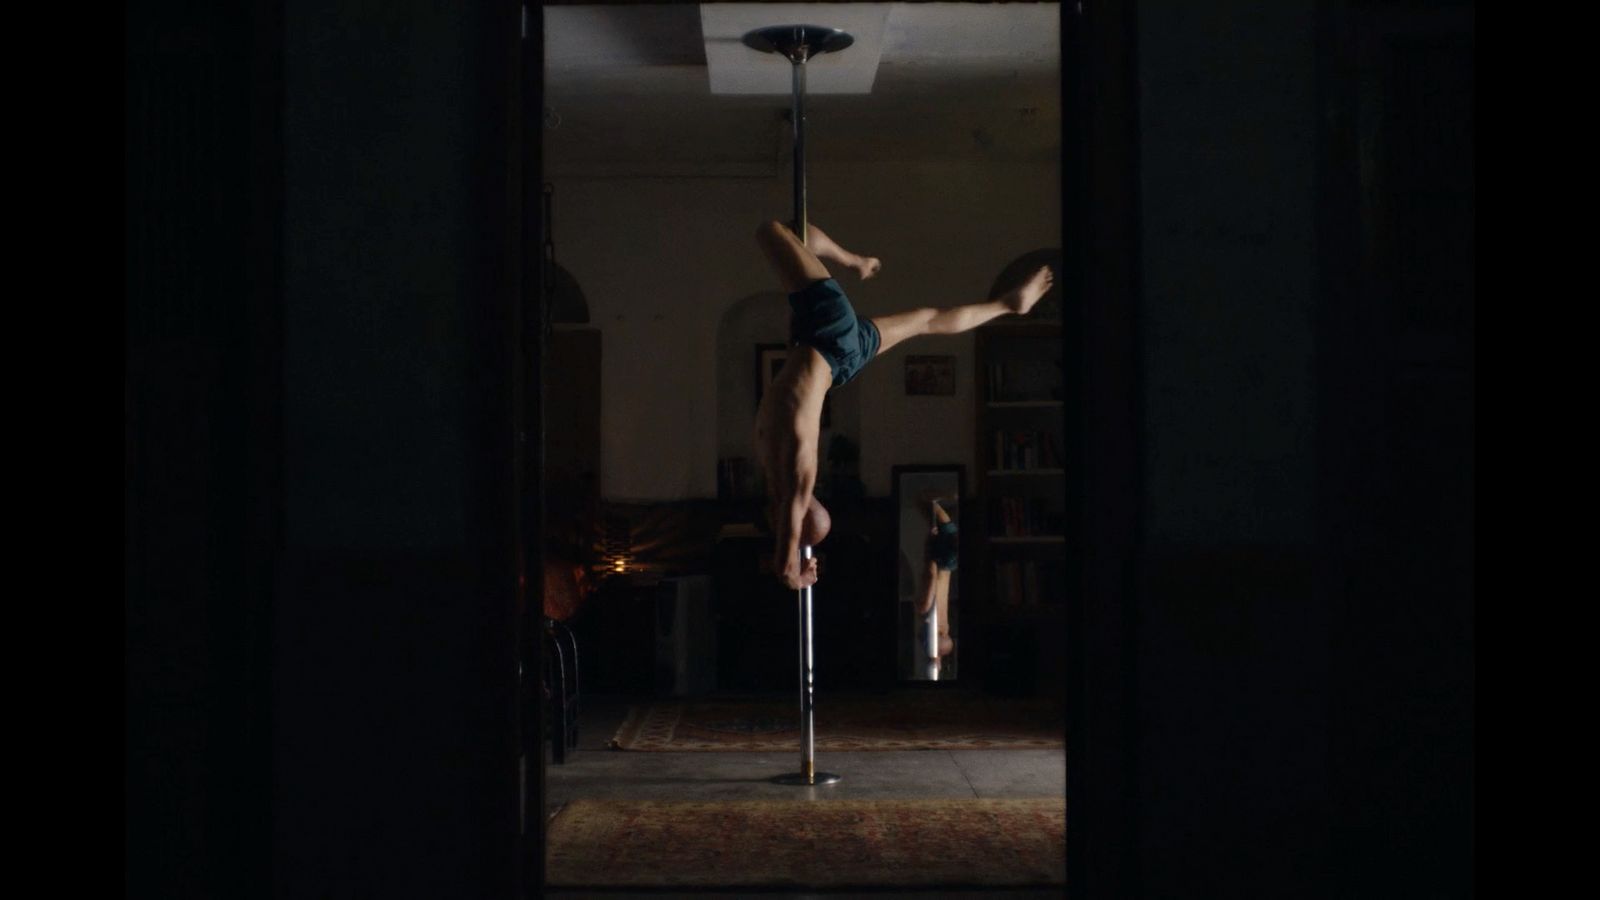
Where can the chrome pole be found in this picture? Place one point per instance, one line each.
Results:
(798, 115)
(808, 734)
(808, 728)
(799, 43)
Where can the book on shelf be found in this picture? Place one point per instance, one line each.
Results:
(1023, 517)
(1016, 380)
(1020, 449)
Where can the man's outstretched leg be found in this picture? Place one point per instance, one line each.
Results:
(897, 327)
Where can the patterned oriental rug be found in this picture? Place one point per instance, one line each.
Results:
(913, 721)
(819, 843)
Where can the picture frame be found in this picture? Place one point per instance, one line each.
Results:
(931, 376)
(769, 361)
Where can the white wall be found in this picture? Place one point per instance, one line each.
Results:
(661, 259)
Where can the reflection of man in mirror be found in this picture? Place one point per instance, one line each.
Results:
(832, 344)
(940, 557)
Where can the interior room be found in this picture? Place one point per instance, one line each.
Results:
(449, 333)
(931, 143)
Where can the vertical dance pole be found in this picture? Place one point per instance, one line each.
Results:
(930, 634)
(799, 43)
(797, 117)
(808, 731)
(808, 774)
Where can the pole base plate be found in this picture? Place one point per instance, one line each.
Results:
(800, 779)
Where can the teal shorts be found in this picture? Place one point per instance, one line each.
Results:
(823, 319)
(943, 546)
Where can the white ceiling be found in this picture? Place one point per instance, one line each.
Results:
(627, 88)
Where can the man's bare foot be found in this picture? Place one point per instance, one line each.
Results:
(1022, 299)
(867, 266)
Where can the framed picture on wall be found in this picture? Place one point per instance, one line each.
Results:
(769, 362)
(931, 375)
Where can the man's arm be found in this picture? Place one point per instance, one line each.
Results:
(793, 571)
(794, 503)
(790, 439)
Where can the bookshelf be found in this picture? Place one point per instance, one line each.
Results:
(1020, 489)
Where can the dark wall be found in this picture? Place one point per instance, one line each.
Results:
(202, 445)
(1395, 449)
(323, 272)
(1303, 690)
(1232, 646)
(394, 634)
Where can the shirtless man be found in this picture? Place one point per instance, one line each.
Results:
(831, 344)
(941, 556)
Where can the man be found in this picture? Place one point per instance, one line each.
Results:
(941, 555)
(831, 345)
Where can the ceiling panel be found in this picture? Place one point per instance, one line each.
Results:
(629, 86)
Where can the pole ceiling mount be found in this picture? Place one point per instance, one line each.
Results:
(798, 42)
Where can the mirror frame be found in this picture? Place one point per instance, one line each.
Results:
(895, 472)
